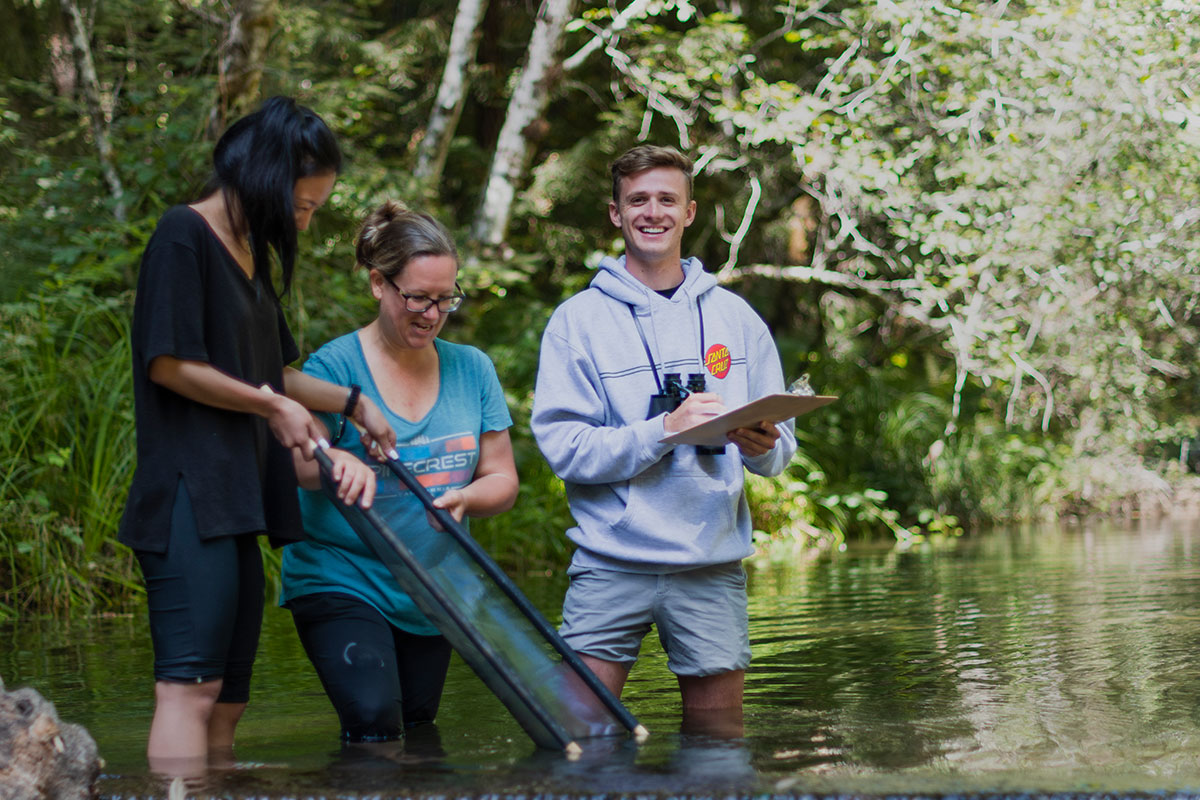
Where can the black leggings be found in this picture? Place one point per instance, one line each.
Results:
(206, 605)
(379, 678)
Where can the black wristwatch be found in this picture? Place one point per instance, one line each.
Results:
(352, 400)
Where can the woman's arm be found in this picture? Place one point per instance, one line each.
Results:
(289, 421)
(495, 486)
(320, 395)
(355, 480)
(200, 381)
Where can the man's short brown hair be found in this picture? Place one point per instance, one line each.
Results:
(649, 156)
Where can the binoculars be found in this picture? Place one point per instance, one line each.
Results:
(674, 393)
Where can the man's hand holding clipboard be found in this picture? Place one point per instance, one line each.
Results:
(772, 408)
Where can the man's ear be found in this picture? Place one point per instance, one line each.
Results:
(691, 213)
(614, 214)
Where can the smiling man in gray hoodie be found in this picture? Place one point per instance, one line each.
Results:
(661, 529)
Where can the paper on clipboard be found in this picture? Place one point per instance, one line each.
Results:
(773, 407)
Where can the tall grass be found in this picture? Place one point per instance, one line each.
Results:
(67, 451)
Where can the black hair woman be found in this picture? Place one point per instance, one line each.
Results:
(214, 468)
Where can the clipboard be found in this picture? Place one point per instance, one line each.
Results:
(773, 407)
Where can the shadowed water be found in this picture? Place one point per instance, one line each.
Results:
(1036, 661)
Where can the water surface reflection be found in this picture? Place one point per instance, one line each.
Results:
(1040, 660)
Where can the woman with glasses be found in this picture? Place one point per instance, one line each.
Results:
(382, 663)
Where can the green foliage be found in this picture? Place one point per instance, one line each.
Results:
(851, 479)
(68, 456)
(974, 222)
(1006, 193)
(985, 474)
(933, 142)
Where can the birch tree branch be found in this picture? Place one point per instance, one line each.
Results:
(1031, 371)
(735, 241)
(826, 277)
(889, 69)
(637, 8)
(240, 63)
(80, 40)
(529, 100)
(452, 92)
(655, 101)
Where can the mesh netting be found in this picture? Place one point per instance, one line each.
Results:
(494, 628)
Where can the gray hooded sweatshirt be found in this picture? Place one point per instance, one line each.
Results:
(640, 505)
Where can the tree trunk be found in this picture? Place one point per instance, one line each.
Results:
(452, 94)
(527, 104)
(90, 84)
(240, 65)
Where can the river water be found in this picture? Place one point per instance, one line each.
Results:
(1052, 660)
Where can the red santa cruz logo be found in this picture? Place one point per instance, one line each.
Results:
(717, 360)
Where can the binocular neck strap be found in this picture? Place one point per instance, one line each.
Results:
(646, 343)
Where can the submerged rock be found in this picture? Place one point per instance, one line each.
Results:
(41, 757)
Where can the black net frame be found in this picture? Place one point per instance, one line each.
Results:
(494, 628)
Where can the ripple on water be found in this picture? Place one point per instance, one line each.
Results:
(1016, 662)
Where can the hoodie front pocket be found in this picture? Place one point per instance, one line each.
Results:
(680, 515)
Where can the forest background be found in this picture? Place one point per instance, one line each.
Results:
(975, 222)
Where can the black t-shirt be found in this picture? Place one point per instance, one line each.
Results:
(195, 303)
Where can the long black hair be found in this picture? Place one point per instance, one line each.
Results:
(256, 164)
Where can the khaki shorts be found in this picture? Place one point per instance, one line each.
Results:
(700, 615)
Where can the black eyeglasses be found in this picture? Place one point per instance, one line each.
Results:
(420, 303)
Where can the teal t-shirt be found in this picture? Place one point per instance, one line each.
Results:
(442, 450)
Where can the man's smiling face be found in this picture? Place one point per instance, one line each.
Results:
(652, 213)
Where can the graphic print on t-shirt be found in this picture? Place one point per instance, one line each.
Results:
(438, 464)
